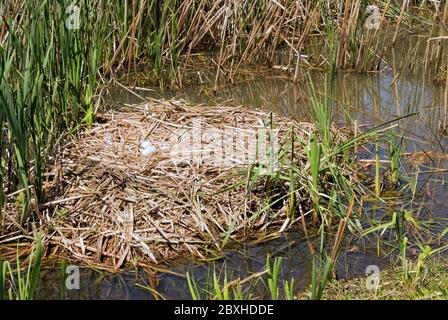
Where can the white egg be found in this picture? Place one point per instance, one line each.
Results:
(148, 150)
(146, 144)
(108, 139)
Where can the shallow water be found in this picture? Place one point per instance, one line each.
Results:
(240, 264)
(367, 98)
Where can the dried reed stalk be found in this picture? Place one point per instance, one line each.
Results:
(117, 206)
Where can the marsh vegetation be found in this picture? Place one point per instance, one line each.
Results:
(357, 90)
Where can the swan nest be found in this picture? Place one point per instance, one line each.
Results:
(166, 179)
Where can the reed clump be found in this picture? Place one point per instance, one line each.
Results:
(109, 204)
(52, 71)
(55, 56)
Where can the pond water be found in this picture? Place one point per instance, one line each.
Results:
(403, 87)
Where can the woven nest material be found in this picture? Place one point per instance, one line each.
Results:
(135, 188)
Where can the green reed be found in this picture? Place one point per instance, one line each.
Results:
(51, 74)
(219, 288)
(23, 280)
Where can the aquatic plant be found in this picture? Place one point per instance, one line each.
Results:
(56, 56)
(54, 68)
(22, 286)
(217, 289)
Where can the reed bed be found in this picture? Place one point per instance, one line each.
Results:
(110, 205)
(52, 66)
(51, 81)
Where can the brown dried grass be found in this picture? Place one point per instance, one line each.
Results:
(111, 206)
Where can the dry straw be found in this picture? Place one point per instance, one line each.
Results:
(110, 205)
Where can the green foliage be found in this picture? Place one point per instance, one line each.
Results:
(23, 280)
(272, 276)
(217, 289)
(320, 275)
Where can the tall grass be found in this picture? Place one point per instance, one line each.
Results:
(23, 280)
(50, 74)
(3, 266)
(47, 81)
(51, 78)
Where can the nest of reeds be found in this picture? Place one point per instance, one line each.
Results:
(148, 185)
